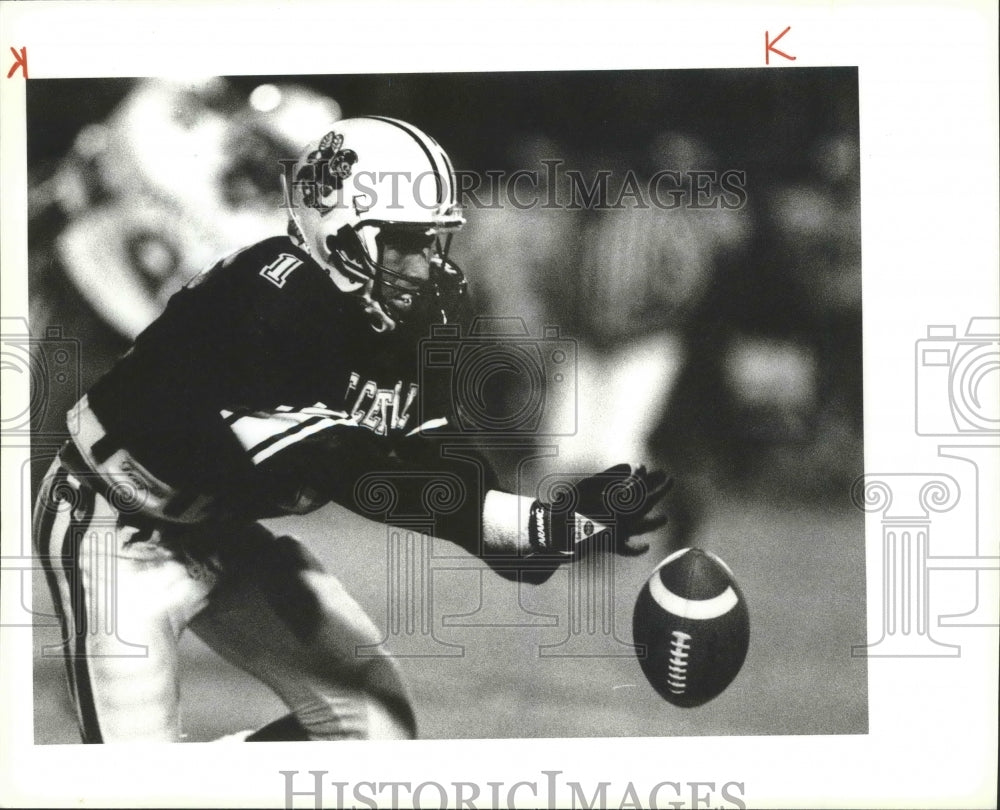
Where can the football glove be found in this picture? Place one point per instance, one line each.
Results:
(617, 501)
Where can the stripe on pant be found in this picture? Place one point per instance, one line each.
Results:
(73, 541)
(44, 524)
(72, 615)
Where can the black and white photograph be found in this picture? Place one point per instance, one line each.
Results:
(638, 286)
(524, 412)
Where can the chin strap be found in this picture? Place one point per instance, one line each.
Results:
(378, 318)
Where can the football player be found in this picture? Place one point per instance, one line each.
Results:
(272, 384)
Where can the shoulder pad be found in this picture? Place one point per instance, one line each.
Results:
(278, 260)
(273, 260)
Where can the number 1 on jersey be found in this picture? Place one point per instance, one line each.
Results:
(278, 271)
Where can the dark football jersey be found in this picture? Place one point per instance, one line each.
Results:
(252, 361)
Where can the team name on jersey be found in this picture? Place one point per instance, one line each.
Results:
(379, 409)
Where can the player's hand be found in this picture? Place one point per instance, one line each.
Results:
(619, 499)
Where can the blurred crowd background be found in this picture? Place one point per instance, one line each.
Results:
(723, 344)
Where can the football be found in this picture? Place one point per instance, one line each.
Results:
(691, 627)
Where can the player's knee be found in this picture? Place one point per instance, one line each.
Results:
(355, 716)
(377, 703)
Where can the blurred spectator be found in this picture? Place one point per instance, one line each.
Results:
(178, 175)
(642, 274)
(513, 251)
(770, 399)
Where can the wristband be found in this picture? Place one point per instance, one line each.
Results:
(517, 524)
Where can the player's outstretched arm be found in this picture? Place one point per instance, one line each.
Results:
(512, 531)
(518, 536)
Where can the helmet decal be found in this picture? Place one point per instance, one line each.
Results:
(331, 141)
(340, 164)
(325, 169)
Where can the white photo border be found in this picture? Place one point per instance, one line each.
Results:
(928, 106)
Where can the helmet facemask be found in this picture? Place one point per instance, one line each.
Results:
(409, 281)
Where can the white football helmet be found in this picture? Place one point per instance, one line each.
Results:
(363, 179)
